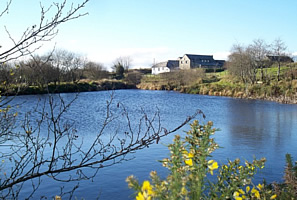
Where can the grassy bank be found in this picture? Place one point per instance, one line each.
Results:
(222, 84)
(282, 91)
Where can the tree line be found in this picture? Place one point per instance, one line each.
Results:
(61, 66)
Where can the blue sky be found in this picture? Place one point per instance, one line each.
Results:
(148, 30)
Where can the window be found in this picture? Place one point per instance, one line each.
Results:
(162, 68)
(186, 62)
(158, 69)
(181, 62)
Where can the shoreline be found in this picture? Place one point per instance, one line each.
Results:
(239, 95)
(68, 88)
(117, 85)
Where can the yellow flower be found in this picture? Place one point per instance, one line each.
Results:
(251, 167)
(58, 197)
(185, 152)
(189, 162)
(260, 186)
(143, 196)
(273, 196)
(247, 189)
(147, 191)
(212, 166)
(184, 191)
(256, 193)
(146, 187)
(236, 196)
(241, 191)
(140, 196)
(190, 155)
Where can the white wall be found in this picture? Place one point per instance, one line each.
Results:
(159, 70)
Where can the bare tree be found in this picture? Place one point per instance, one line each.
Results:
(45, 30)
(240, 64)
(94, 71)
(259, 50)
(125, 62)
(6, 71)
(67, 63)
(278, 49)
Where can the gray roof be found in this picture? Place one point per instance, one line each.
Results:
(199, 57)
(160, 64)
(170, 64)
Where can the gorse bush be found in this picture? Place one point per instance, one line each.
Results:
(194, 175)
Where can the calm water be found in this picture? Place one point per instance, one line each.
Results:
(249, 128)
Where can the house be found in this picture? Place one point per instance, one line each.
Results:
(167, 66)
(190, 61)
(283, 59)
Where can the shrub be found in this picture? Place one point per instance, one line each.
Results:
(190, 169)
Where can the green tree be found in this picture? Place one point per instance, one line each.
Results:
(119, 71)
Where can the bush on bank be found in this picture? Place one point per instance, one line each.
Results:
(194, 175)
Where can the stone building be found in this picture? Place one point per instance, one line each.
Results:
(191, 61)
(188, 61)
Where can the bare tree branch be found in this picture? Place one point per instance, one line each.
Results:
(68, 151)
(46, 30)
(5, 8)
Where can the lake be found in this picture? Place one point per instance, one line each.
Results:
(248, 128)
